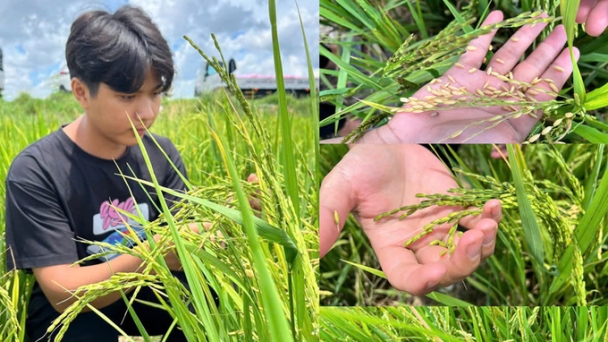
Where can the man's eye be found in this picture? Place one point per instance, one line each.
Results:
(127, 97)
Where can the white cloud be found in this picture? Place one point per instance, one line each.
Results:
(41, 29)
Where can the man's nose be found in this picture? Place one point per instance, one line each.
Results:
(145, 110)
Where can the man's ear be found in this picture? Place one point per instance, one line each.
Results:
(81, 92)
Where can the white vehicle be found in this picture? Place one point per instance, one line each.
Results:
(252, 85)
(1, 74)
(63, 80)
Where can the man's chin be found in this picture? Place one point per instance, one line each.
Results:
(129, 142)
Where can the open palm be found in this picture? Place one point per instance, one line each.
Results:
(369, 181)
(548, 61)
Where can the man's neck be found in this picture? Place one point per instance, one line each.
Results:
(83, 134)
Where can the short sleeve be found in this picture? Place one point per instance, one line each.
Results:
(38, 233)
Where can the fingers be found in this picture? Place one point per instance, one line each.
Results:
(595, 16)
(468, 254)
(598, 19)
(543, 55)
(499, 151)
(405, 273)
(336, 200)
(558, 73)
(332, 141)
(472, 247)
(478, 47)
(492, 209)
(220, 237)
(387, 134)
(584, 8)
(253, 178)
(254, 202)
(466, 257)
(509, 54)
(489, 229)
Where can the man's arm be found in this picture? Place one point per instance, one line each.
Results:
(54, 280)
(59, 282)
(38, 234)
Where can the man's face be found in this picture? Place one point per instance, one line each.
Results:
(109, 112)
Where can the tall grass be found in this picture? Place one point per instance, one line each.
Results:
(555, 324)
(550, 245)
(265, 276)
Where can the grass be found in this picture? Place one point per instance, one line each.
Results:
(390, 50)
(265, 276)
(550, 245)
(439, 324)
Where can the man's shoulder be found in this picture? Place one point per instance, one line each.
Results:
(33, 157)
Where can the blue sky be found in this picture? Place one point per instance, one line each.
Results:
(33, 35)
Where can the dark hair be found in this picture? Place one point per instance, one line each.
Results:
(118, 49)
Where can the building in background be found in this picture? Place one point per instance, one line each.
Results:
(252, 85)
(64, 82)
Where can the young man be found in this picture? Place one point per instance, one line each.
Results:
(63, 187)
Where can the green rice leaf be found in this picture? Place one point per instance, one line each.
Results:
(352, 71)
(591, 134)
(459, 18)
(447, 300)
(373, 271)
(585, 232)
(271, 302)
(591, 185)
(597, 99)
(418, 19)
(528, 219)
(289, 168)
(202, 309)
(569, 8)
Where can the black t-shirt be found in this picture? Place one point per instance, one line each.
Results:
(56, 194)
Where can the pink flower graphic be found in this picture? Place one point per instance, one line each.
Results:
(110, 217)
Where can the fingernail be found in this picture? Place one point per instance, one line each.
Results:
(432, 284)
(495, 211)
(473, 252)
(488, 239)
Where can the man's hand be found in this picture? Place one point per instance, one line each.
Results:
(369, 181)
(594, 13)
(548, 61)
(253, 199)
(171, 257)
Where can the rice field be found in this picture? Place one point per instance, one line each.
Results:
(551, 241)
(553, 323)
(263, 270)
(191, 125)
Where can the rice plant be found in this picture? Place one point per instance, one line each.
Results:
(398, 57)
(550, 244)
(469, 324)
